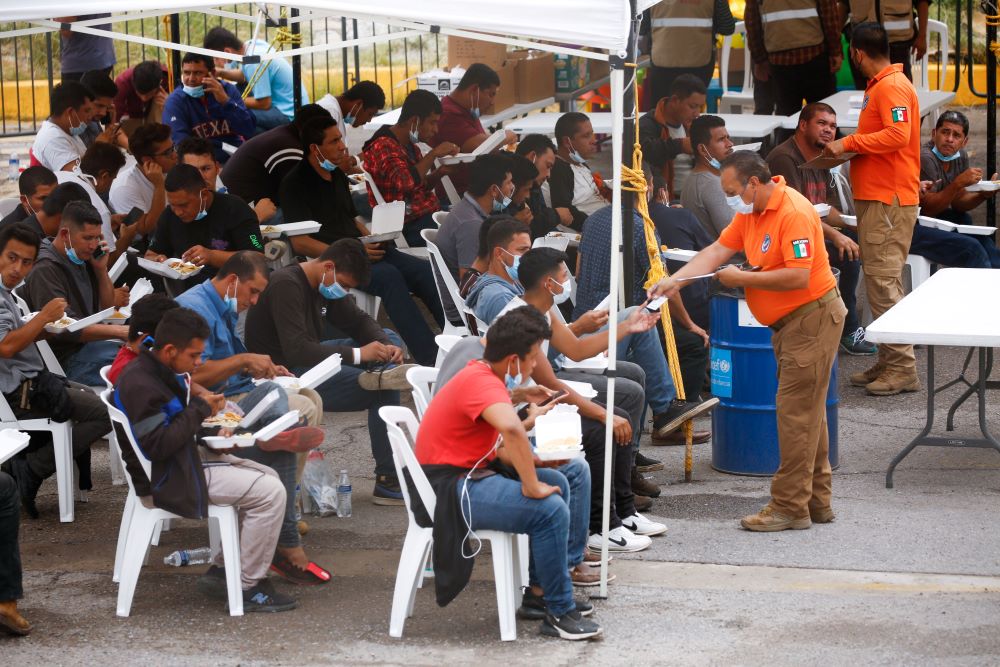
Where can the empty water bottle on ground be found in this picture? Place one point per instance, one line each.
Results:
(14, 167)
(184, 557)
(343, 495)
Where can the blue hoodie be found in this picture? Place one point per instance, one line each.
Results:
(489, 295)
(204, 117)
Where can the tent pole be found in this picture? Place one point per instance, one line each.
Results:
(617, 85)
(990, 7)
(296, 64)
(175, 37)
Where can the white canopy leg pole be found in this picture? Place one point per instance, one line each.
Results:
(617, 91)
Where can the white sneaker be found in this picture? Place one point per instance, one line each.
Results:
(640, 525)
(620, 539)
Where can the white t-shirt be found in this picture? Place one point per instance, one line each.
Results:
(131, 189)
(95, 199)
(683, 163)
(55, 148)
(586, 196)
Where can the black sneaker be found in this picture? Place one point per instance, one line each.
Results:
(212, 584)
(571, 625)
(856, 345)
(645, 464)
(263, 597)
(679, 412)
(533, 607)
(387, 491)
(27, 485)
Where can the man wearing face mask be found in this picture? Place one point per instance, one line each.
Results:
(490, 192)
(711, 144)
(316, 189)
(46, 220)
(208, 108)
(70, 267)
(796, 295)
(400, 169)
(33, 185)
(885, 178)
(460, 113)
(98, 169)
(290, 323)
(572, 185)
(58, 144)
(201, 226)
(357, 106)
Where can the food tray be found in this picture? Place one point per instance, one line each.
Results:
(218, 442)
(379, 238)
(167, 270)
(290, 229)
(283, 422)
(559, 454)
(585, 389)
(458, 159)
(119, 316)
(321, 372)
(984, 186)
(822, 210)
(597, 364)
(12, 441)
(289, 383)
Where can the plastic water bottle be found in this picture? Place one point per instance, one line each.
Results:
(184, 557)
(298, 502)
(14, 167)
(343, 495)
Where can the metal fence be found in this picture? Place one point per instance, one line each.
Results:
(29, 65)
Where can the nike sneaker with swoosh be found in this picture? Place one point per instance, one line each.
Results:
(620, 539)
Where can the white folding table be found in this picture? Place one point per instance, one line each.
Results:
(929, 100)
(954, 307)
(740, 126)
(488, 120)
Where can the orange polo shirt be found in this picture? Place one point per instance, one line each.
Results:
(786, 234)
(888, 140)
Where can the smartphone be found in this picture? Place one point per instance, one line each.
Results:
(101, 251)
(133, 215)
(553, 397)
(654, 305)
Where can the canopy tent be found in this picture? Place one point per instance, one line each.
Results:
(605, 25)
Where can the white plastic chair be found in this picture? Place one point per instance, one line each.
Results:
(114, 453)
(445, 342)
(507, 549)
(736, 99)
(443, 278)
(422, 379)
(143, 521)
(7, 205)
(366, 302)
(921, 71)
(438, 217)
(920, 270)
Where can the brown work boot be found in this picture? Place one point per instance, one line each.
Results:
(769, 521)
(11, 619)
(864, 378)
(644, 487)
(892, 382)
(821, 515)
(676, 438)
(642, 503)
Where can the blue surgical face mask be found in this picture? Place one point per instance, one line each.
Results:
(476, 113)
(77, 130)
(325, 164)
(513, 383)
(349, 116)
(231, 304)
(414, 135)
(71, 254)
(945, 158)
(331, 292)
(714, 164)
(201, 210)
(512, 269)
(501, 206)
(737, 204)
(576, 157)
(195, 91)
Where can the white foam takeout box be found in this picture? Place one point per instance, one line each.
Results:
(561, 424)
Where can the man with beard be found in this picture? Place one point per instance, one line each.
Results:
(817, 127)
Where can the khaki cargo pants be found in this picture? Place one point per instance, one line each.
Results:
(805, 349)
(884, 235)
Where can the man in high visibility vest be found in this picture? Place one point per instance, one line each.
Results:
(896, 16)
(683, 42)
(797, 43)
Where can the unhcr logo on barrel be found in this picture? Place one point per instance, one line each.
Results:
(722, 372)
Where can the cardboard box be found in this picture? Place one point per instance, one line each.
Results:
(464, 52)
(571, 73)
(440, 82)
(507, 93)
(599, 69)
(535, 75)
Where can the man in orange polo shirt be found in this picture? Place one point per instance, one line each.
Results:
(885, 177)
(795, 293)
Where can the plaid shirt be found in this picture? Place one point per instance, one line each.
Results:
(829, 18)
(393, 169)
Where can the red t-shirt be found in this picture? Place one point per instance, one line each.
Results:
(124, 357)
(453, 431)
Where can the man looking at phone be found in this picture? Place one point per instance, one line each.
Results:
(74, 267)
(208, 108)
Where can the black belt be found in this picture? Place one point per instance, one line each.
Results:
(806, 308)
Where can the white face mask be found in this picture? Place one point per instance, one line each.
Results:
(738, 205)
(562, 297)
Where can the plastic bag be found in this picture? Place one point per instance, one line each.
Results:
(319, 486)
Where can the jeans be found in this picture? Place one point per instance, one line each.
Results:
(963, 218)
(268, 119)
(342, 393)
(645, 351)
(622, 499)
(850, 272)
(10, 554)
(812, 81)
(630, 392)
(393, 279)
(954, 249)
(412, 229)
(84, 365)
(283, 463)
(496, 503)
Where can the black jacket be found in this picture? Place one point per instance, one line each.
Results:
(561, 187)
(165, 424)
(544, 218)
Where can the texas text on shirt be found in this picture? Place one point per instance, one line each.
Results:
(786, 234)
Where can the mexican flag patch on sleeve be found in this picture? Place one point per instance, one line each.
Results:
(801, 249)
(900, 115)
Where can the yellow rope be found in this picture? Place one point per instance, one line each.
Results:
(281, 37)
(633, 180)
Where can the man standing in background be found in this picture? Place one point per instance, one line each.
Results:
(80, 52)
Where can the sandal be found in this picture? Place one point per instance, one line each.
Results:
(311, 575)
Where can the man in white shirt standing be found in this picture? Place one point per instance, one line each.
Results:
(58, 145)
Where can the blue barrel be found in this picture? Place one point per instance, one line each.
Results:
(744, 378)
